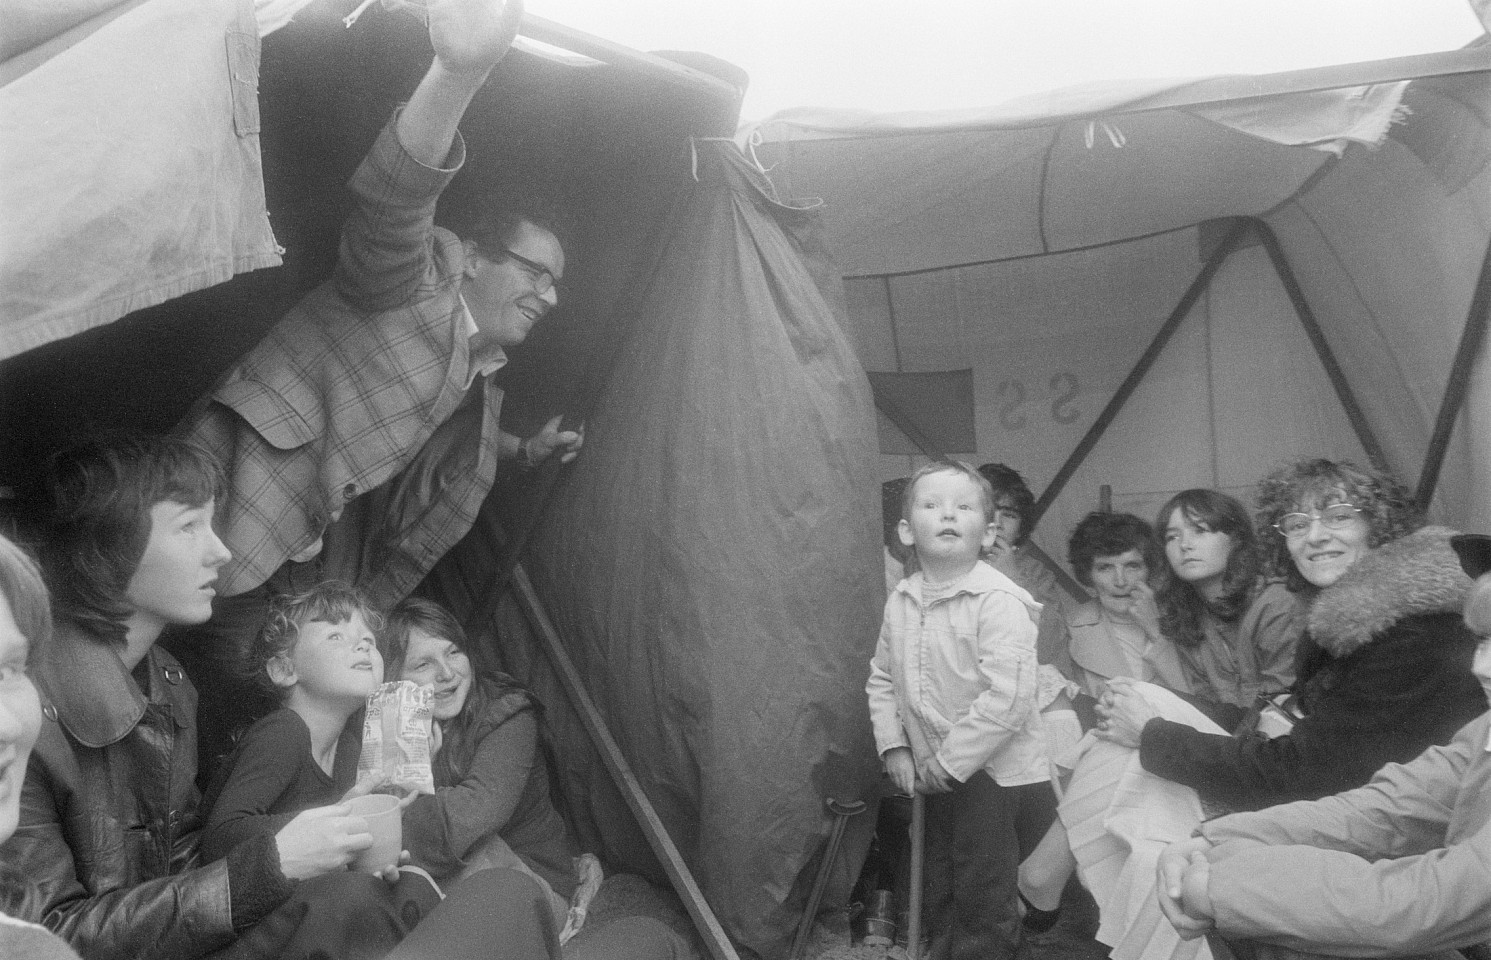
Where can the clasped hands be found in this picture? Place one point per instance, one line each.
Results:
(1122, 713)
(1182, 877)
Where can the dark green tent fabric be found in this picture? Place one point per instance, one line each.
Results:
(713, 559)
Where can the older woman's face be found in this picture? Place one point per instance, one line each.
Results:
(1323, 554)
(20, 718)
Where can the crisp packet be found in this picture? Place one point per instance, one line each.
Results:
(396, 737)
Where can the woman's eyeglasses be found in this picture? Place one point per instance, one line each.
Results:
(543, 280)
(1294, 526)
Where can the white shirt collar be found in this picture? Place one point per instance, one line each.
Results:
(494, 359)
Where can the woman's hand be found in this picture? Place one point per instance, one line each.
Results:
(1122, 713)
(901, 768)
(934, 778)
(320, 840)
(390, 873)
(1001, 556)
(470, 36)
(1144, 610)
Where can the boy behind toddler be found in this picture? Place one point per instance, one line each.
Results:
(952, 694)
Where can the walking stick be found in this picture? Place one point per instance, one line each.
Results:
(842, 811)
(918, 856)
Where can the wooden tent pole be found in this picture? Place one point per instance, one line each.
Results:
(1333, 371)
(1146, 360)
(1471, 339)
(652, 825)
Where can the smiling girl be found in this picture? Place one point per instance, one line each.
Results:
(491, 784)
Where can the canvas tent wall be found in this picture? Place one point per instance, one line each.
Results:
(1007, 269)
(729, 669)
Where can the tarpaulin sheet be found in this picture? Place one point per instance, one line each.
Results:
(713, 561)
(130, 169)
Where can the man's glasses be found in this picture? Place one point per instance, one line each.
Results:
(1337, 516)
(543, 280)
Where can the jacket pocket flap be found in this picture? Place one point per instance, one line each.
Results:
(268, 412)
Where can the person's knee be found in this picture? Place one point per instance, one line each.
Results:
(629, 938)
(351, 900)
(502, 885)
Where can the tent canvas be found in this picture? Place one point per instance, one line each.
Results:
(1046, 241)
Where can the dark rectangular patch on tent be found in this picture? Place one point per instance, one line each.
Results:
(925, 413)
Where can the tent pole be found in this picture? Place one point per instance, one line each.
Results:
(1067, 581)
(652, 825)
(557, 34)
(1146, 360)
(1333, 371)
(1471, 339)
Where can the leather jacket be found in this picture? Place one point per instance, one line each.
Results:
(107, 840)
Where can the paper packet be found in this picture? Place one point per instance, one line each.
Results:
(396, 737)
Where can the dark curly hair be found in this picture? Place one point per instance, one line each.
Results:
(1388, 506)
(330, 601)
(1104, 534)
(1182, 607)
(102, 492)
(1010, 486)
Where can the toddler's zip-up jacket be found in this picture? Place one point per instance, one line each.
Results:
(956, 678)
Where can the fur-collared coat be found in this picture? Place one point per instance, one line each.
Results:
(1384, 674)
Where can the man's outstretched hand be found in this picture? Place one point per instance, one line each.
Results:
(470, 36)
(551, 440)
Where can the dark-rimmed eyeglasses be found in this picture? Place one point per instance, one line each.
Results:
(543, 280)
(1336, 516)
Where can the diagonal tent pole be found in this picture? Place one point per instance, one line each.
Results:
(1455, 389)
(705, 921)
(1147, 360)
(1333, 372)
(906, 425)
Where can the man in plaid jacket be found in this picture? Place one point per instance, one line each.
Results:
(346, 390)
(365, 423)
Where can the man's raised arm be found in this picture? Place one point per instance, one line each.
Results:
(469, 37)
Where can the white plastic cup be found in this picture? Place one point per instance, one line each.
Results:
(385, 823)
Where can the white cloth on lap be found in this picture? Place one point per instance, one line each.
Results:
(1118, 818)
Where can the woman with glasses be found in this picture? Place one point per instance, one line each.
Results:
(1384, 668)
(1383, 673)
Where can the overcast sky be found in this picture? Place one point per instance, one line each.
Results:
(934, 54)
